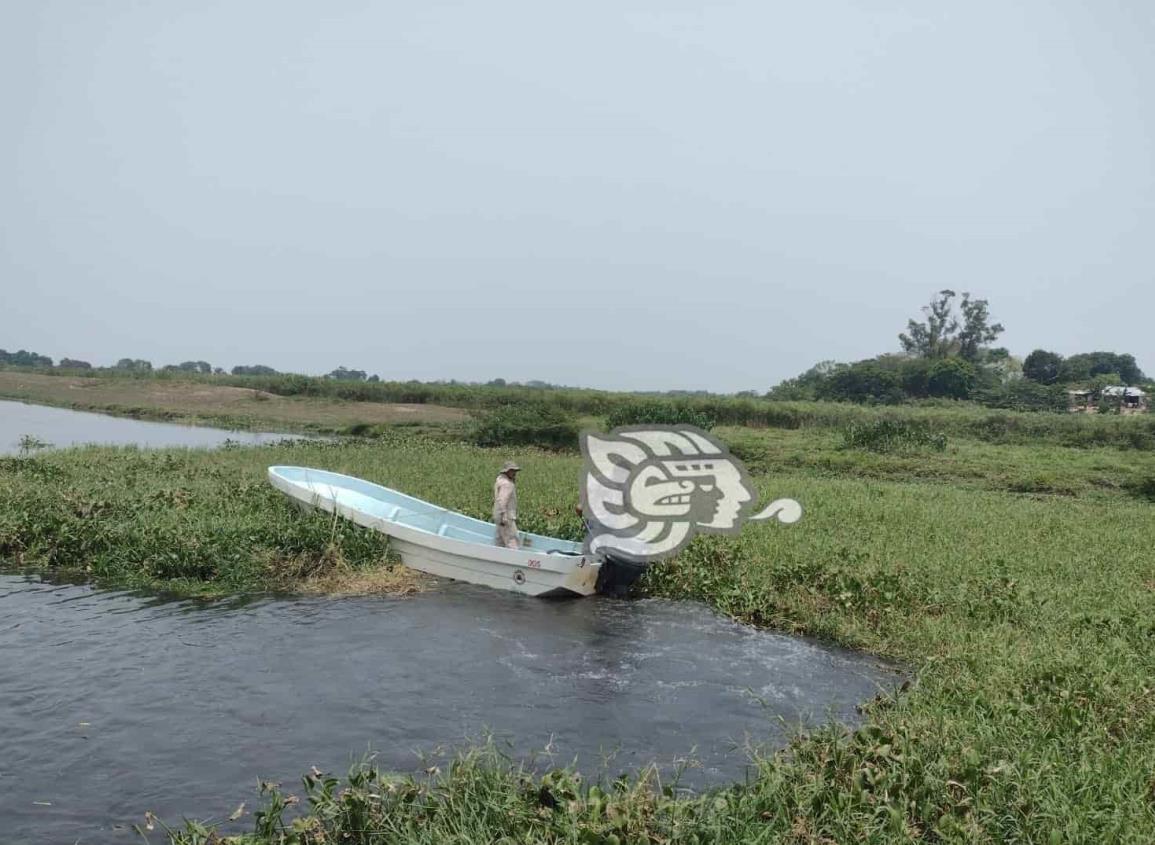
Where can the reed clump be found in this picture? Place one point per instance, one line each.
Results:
(893, 435)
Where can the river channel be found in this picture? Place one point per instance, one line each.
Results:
(62, 427)
(114, 703)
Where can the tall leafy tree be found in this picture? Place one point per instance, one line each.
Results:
(1043, 366)
(1087, 365)
(978, 331)
(934, 336)
(944, 333)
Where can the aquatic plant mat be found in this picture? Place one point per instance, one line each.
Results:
(1018, 582)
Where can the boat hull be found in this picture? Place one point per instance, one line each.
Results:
(529, 580)
(547, 567)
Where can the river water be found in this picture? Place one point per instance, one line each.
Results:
(63, 427)
(114, 703)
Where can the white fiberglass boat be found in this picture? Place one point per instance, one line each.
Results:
(442, 542)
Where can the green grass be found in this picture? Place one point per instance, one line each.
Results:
(1027, 619)
(1097, 472)
(893, 435)
(952, 418)
(963, 419)
(204, 522)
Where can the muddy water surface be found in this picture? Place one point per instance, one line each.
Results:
(114, 703)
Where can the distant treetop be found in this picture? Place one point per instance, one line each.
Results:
(1052, 368)
(134, 365)
(344, 374)
(24, 358)
(943, 333)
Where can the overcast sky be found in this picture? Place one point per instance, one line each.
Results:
(621, 193)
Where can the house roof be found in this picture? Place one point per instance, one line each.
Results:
(1120, 390)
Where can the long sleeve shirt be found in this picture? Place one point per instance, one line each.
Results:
(504, 501)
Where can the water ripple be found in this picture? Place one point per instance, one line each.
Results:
(117, 702)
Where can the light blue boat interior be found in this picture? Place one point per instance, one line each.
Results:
(387, 504)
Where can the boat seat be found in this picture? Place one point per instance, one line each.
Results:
(425, 522)
(454, 532)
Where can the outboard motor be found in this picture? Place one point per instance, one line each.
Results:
(617, 575)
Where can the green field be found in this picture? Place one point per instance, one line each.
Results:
(1017, 583)
(296, 403)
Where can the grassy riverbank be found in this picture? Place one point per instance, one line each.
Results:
(218, 404)
(1027, 611)
(295, 403)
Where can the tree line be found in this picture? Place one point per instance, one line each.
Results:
(140, 366)
(24, 358)
(950, 354)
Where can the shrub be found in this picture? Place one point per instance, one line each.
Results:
(527, 424)
(1144, 488)
(865, 381)
(1044, 482)
(658, 413)
(751, 450)
(73, 364)
(951, 378)
(1025, 395)
(892, 435)
(253, 370)
(915, 375)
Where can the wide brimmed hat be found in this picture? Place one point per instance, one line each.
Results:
(509, 466)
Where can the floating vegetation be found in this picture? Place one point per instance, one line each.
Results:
(1027, 619)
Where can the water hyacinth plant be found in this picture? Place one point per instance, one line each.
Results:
(1024, 617)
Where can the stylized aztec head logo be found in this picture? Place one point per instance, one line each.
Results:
(648, 489)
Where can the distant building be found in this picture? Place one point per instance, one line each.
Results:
(1130, 400)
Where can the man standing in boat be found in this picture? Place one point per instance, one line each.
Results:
(505, 506)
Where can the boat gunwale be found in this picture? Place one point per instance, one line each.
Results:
(558, 563)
